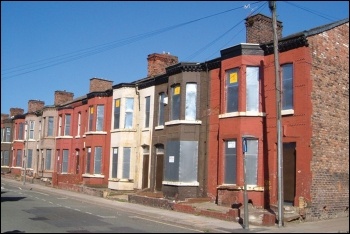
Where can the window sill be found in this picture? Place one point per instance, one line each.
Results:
(240, 114)
(96, 133)
(145, 130)
(195, 183)
(160, 127)
(174, 122)
(287, 112)
(235, 187)
(93, 176)
(123, 130)
(64, 137)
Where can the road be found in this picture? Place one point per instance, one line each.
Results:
(33, 210)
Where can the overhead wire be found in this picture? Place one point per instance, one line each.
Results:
(56, 60)
(189, 58)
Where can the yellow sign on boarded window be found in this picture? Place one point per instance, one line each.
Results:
(233, 77)
(91, 110)
(117, 103)
(177, 90)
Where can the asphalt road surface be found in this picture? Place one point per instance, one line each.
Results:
(25, 208)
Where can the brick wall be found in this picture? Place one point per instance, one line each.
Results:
(259, 29)
(4, 116)
(330, 121)
(34, 105)
(97, 85)
(62, 97)
(158, 62)
(16, 111)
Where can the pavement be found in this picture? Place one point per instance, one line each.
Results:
(203, 215)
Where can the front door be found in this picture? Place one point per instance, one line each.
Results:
(289, 172)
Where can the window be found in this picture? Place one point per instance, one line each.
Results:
(88, 160)
(287, 86)
(59, 125)
(50, 126)
(2, 134)
(65, 161)
(115, 163)
(100, 117)
(252, 89)
(98, 159)
(161, 109)
(126, 163)
(175, 102)
(191, 101)
(29, 158)
(8, 135)
(91, 117)
(147, 110)
(252, 161)
(232, 90)
(48, 159)
(230, 173)
(19, 158)
(6, 158)
(21, 131)
(116, 113)
(67, 125)
(129, 109)
(79, 124)
(181, 162)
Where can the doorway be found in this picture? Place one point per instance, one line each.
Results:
(289, 172)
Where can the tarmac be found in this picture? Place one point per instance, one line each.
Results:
(202, 215)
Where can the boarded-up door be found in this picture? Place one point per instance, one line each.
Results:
(159, 171)
(145, 171)
(289, 168)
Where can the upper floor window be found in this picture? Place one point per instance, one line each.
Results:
(21, 131)
(147, 110)
(91, 118)
(50, 126)
(252, 89)
(116, 113)
(129, 110)
(161, 109)
(31, 129)
(191, 101)
(67, 125)
(79, 124)
(232, 80)
(287, 86)
(8, 135)
(100, 117)
(59, 125)
(175, 102)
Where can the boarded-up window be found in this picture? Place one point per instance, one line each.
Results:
(98, 160)
(126, 162)
(252, 89)
(232, 81)
(230, 173)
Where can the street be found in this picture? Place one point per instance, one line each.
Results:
(28, 209)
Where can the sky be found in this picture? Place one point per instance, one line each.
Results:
(60, 45)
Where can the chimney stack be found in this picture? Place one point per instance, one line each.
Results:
(35, 105)
(62, 97)
(259, 29)
(16, 111)
(100, 85)
(158, 62)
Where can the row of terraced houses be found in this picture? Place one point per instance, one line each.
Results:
(179, 130)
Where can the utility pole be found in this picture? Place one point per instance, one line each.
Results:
(272, 5)
(25, 154)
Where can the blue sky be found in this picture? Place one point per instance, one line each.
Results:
(53, 45)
